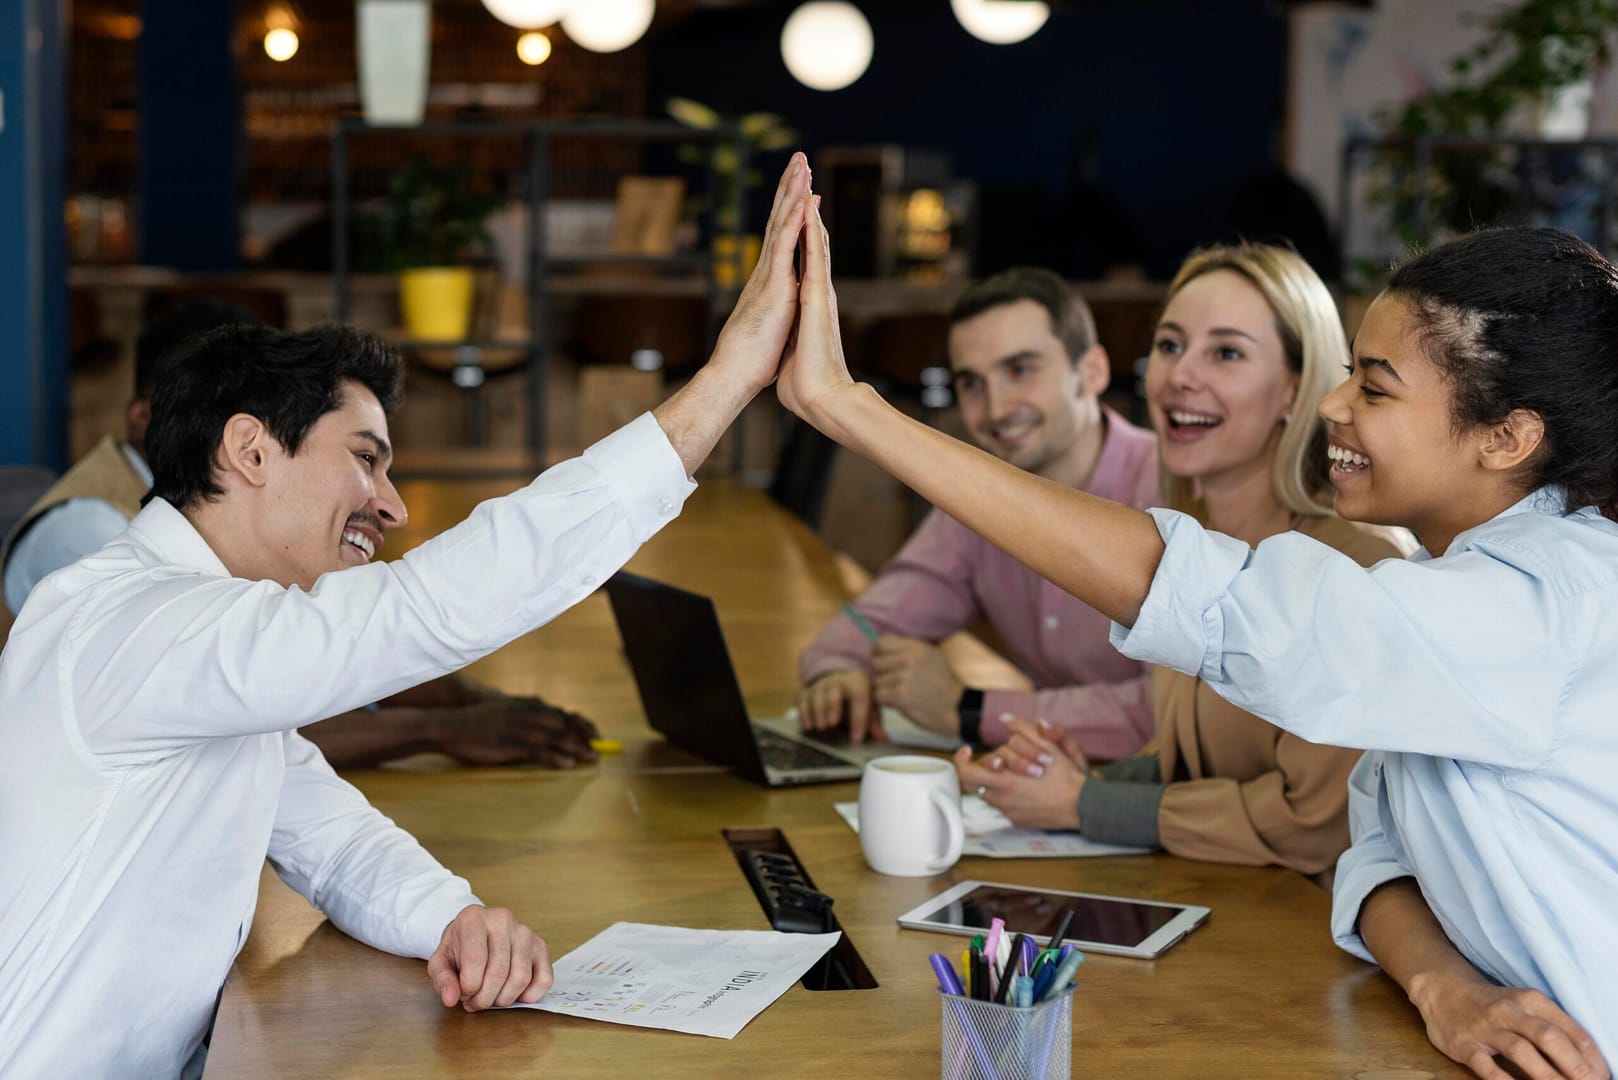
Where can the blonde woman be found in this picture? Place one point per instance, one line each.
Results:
(1248, 344)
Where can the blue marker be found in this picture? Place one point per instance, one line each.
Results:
(1064, 975)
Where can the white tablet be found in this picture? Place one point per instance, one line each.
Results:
(1103, 924)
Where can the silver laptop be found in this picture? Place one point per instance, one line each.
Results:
(689, 690)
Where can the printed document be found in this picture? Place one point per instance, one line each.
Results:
(703, 982)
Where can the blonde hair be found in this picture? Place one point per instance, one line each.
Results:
(1316, 349)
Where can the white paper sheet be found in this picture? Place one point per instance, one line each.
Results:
(990, 834)
(703, 982)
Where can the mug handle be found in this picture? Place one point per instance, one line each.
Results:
(951, 809)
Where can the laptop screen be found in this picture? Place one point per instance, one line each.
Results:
(683, 671)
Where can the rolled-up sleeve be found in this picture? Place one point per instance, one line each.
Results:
(1401, 656)
(1369, 863)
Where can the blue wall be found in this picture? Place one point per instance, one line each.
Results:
(33, 290)
(1165, 107)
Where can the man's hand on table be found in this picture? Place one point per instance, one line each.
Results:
(488, 959)
(913, 677)
(501, 730)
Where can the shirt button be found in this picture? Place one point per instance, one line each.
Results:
(1052, 622)
(665, 507)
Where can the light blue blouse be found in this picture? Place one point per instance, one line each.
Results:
(1486, 684)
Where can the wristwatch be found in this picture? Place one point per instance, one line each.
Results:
(970, 709)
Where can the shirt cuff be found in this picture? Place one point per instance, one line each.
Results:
(1120, 813)
(435, 912)
(640, 464)
(1181, 625)
(1362, 870)
(1141, 769)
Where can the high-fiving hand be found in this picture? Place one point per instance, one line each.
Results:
(813, 366)
(756, 333)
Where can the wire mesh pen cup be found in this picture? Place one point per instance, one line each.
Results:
(985, 1041)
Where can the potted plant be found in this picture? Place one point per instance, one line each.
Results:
(1531, 62)
(428, 229)
(761, 132)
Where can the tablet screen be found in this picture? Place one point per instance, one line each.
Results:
(1104, 921)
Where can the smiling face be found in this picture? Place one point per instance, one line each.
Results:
(1022, 398)
(1217, 382)
(1396, 457)
(327, 506)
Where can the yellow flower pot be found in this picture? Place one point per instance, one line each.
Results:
(436, 302)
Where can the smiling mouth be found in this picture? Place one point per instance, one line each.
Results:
(1346, 462)
(361, 542)
(1185, 425)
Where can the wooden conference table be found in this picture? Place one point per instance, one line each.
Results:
(1260, 990)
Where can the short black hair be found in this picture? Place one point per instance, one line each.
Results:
(1527, 318)
(1071, 320)
(174, 328)
(288, 380)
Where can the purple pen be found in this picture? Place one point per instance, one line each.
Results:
(948, 981)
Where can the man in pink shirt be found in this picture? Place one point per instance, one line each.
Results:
(1028, 375)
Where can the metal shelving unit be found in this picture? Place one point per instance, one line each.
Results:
(1590, 167)
(538, 135)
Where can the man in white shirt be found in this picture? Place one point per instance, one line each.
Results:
(94, 502)
(149, 760)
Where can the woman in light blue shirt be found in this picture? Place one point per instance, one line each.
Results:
(1483, 673)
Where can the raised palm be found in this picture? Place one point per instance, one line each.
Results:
(813, 365)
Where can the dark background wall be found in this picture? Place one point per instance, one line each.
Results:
(1118, 127)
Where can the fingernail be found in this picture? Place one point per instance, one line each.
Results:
(1044, 759)
(996, 764)
(1035, 771)
(1046, 724)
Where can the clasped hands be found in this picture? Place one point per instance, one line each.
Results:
(1034, 779)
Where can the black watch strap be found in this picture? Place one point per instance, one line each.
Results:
(970, 709)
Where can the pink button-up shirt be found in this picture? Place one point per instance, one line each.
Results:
(946, 576)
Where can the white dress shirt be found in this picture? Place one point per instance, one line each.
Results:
(64, 534)
(149, 763)
(1486, 682)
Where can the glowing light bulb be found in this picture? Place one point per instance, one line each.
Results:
(533, 48)
(281, 45)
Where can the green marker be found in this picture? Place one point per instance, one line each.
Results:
(859, 620)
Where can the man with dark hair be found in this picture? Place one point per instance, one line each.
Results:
(94, 501)
(1028, 375)
(149, 759)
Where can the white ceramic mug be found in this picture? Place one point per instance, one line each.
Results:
(910, 815)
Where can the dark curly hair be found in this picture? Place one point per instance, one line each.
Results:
(1527, 318)
(288, 380)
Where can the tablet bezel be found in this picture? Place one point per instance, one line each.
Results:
(1189, 918)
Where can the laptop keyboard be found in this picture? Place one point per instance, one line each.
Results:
(787, 756)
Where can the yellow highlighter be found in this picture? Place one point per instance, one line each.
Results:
(607, 746)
